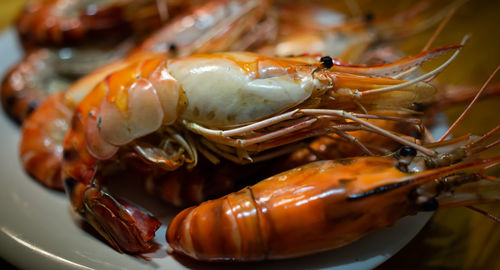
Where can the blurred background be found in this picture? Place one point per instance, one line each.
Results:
(456, 238)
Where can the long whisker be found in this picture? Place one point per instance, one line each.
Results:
(162, 7)
(488, 177)
(354, 7)
(486, 136)
(355, 141)
(429, 135)
(481, 211)
(421, 78)
(429, 43)
(485, 147)
(459, 119)
(439, 29)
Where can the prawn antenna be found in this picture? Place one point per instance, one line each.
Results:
(439, 28)
(490, 178)
(459, 119)
(486, 147)
(485, 213)
(353, 7)
(162, 7)
(426, 76)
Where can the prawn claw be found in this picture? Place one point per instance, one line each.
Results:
(126, 227)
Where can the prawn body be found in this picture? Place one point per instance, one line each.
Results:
(319, 206)
(226, 90)
(253, 215)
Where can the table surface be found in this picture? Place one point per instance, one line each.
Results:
(454, 238)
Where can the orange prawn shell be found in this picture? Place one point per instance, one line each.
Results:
(313, 202)
(40, 149)
(41, 23)
(113, 89)
(20, 96)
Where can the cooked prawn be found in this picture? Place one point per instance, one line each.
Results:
(210, 27)
(319, 29)
(187, 40)
(319, 206)
(156, 107)
(70, 22)
(43, 131)
(328, 204)
(43, 72)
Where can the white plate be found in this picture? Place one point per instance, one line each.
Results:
(39, 230)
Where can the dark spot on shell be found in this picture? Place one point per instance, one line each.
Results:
(74, 123)
(32, 106)
(70, 155)
(99, 123)
(172, 47)
(419, 107)
(430, 205)
(345, 181)
(11, 101)
(327, 61)
(407, 151)
(211, 115)
(369, 17)
(69, 185)
(231, 117)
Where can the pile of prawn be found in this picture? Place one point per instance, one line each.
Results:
(201, 99)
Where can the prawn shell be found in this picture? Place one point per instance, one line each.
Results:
(29, 83)
(143, 115)
(141, 98)
(248, 87)
(209, 27)
(48, 22)
(41, 149)
(302, 211)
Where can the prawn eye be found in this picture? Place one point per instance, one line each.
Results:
(172, 47)
(369, 17)
(327, 61)
(430, 205)
(407, 152)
